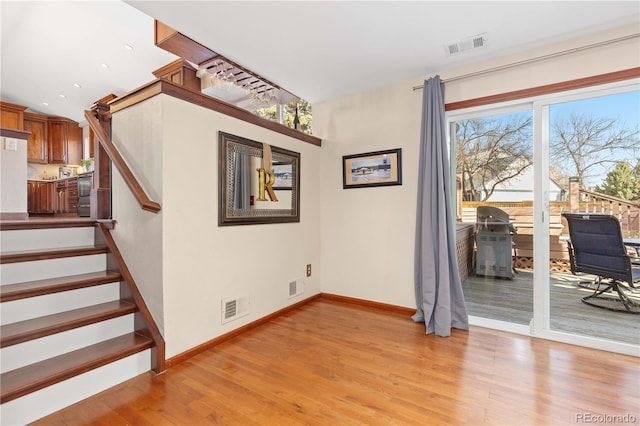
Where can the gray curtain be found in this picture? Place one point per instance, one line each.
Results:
(242, 181)
(439, 297)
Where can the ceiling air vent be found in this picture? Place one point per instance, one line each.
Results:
(471, 43)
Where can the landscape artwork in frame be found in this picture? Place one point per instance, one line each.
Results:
(380, 168)
(283, 176)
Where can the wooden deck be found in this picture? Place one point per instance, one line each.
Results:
(512, 301)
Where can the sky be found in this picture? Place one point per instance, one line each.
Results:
(623, 107)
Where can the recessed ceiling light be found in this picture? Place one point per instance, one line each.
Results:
(128, 47)
(104, 65)
(62, 96)
(77, 86)
(45, 103)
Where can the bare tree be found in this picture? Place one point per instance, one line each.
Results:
(581, 143)
(492, 151)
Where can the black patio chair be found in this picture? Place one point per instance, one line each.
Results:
(596, 247)
(589, 284)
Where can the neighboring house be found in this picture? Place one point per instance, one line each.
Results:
(520, 188)
(516, 188)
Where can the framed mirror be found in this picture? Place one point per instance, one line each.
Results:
(248, 193)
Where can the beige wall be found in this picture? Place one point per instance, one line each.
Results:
(359, 241)
(570, 66)
(137, 132)
(189, 264)
(13, 175)
(368, 234)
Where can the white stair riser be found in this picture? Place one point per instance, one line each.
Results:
(32, 239)
(33, 307)
(41, 403)
(26, 353)
(11, 273)
(49, 400)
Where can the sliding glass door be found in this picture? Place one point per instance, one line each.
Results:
(593, 140)
(530, 161)
(494, 169)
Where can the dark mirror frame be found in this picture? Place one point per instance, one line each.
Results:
(227, 214)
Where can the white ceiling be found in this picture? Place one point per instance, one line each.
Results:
(316, 50)
(47, 46)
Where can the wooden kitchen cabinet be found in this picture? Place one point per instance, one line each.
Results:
(72, 195)
(37, 142)
(41, 197)
(66, 196)
(57, 140)
(53, 140)
(74, 144)
(46, 191)
(32, 191)
(11, 116)
(61, 197)
(65, 141)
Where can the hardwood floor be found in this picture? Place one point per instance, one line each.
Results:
(333, 363)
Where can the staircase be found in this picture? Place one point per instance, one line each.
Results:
(70, 325)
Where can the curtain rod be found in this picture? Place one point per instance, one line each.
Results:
(536, 59)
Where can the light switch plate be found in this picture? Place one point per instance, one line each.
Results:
(10, 144)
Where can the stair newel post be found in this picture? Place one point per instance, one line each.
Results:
(101, 190)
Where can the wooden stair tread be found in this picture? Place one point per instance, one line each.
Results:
(22, 331)
(23, 290)
(50, 253)
(24, 380)
(46, 223)
(53, 253)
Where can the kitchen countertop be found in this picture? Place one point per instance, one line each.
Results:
(53, 180)
(60, 179)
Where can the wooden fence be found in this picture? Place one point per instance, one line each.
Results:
(521, 217)
(627, 212)
(580, 200)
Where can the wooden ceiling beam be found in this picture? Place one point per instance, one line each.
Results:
(190, 50)
(174, 42)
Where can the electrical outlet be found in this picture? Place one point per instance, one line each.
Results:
(309, 270)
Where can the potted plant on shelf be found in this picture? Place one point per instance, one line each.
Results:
(87, 164)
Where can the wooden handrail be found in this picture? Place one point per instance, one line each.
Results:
(609, 198)
(113, 153)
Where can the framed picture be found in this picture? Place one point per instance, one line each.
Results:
(284, 176)
(380, 168)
